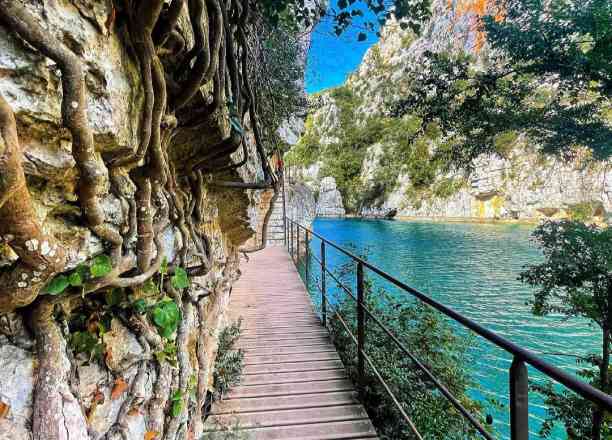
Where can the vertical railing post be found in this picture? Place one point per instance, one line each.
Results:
(519, 400)
(360, 323)
(306, 252)
(297, 257)
(291, 240)
(323, 300)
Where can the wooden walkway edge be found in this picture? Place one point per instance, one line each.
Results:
(294, 385)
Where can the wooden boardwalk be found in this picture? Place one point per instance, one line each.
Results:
(294, 385)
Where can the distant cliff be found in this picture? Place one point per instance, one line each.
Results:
(349, 137)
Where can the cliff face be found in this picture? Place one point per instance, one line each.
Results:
(524, 184)
(93, 405)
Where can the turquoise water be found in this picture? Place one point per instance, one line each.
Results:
(472, 268)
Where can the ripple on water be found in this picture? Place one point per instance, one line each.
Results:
(473, 268)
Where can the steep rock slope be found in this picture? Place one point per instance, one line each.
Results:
(347, 137)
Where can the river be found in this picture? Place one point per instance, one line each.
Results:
(472, 268)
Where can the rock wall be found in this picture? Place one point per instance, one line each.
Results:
(329, 202)
(526, 185)
(99, 390)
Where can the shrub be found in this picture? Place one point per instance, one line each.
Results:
(433, 342)
(229, 362)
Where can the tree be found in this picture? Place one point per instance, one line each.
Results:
(575, 280)
(547, 72)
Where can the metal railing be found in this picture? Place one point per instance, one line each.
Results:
(519, 380)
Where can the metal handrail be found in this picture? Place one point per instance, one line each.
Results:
(518, 372)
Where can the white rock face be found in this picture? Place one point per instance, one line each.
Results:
(329, 203)
(16, 390)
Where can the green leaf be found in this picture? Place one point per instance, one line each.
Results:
(164, 266)
(177, 395)
(113, 297)
(75, 279)
(149, 287)
(101, 266)
(180, 280)
(140, 306)
(83, 342)
(57, 285)
(166, 316)
(177, 408)
(168, 354)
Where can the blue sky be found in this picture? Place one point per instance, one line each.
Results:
(331, 59)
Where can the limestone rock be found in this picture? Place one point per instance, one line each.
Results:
(329, 203)
(122, 345)
(16, 388)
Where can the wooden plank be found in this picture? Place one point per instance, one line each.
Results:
(316, 431)
(285, 402)
(294, 385)
(254, 359)
(291, 416)
(292, 377)
(290, 389)
(293, 367)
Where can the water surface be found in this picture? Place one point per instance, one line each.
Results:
(472, 268)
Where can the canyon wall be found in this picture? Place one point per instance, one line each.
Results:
(524, 184)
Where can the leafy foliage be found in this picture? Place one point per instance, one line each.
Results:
(166, 316)
(230, 361)
(575, 279)
(549, 77)
(168, 354)
(277, 79)
(432, 341)
(412, 13)
(177, 403)
(180, 279)
(100, 266)
(570, 40)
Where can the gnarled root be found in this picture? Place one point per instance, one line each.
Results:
(57, 413)
(93, 172)
(40, 255)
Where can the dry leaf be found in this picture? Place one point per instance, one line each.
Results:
(150, 435)
(98, 397)
(4, 409)
(119, 388)
(108, 357)
(92, 324)
(110, 20)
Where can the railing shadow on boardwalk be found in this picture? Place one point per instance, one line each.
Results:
(518, 387)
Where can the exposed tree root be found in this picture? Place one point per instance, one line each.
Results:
(57, 413)
(40, 255)
(93, 173)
